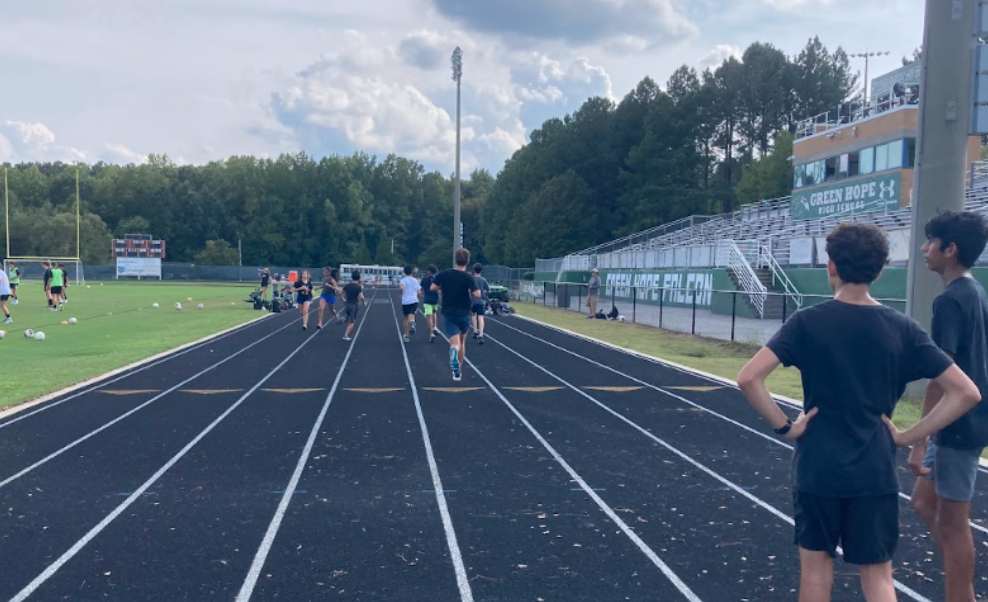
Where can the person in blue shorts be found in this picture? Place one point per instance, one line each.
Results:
(480, 305)
(459, 291)
(330, 286)
(855, 358)
(947, 464)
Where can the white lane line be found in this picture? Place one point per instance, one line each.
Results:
(95, 432)
(774, 440)
(130, 371)
(730, 484)
(658, 562)
(136, 495)
(466, 594)
(247, 589)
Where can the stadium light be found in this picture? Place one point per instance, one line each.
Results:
(457, 59)
(867, 56)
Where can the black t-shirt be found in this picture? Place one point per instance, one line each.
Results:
(457, 287)
(265, 280)
(960, 316)
(429, 297)
(304, 289)
(855, 362)
(47, 276)
(352, 293)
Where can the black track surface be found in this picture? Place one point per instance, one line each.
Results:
(706, 497)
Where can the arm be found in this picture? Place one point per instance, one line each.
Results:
(752, 382)
(960, 395)
(934, 393)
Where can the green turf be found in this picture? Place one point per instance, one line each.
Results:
(116, 327)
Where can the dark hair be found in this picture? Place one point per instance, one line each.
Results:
(477, 268)
(432, 269)
(408, 270)
(356, 275)
(860, 252)
(334, 274)
(462, 257)
(967, 230)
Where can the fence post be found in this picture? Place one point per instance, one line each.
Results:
(693, 328)
(734, 312)
(662, 297)
(785, 308)
(634, 303)
(579, 300)
(545, 289)
(613, 293)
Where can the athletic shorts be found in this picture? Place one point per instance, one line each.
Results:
(454, 325)
(56, 290)
(303, 299)
(866, 527)
(350, 312)
(430, 308)
(331, 300)
(4, 297)
(479, 308)
(409, 309)
(13, 285)
(954, 471)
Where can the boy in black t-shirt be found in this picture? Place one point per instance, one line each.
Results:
(353, 294)
(855, 357)
(949, 462)
(459, 291)
(430, 301)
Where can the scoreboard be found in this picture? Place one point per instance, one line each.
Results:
(139, 246)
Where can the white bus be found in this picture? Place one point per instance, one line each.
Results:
(376, 275)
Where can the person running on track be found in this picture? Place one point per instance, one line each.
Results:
(430, 301)
(5, 293)
(459, 290)
(330, 287)
(947, 465)
(480, 307)
(15, 281)
(353, 295)
(55, 287)
(410, 288)
(856, 357)
(303, 296)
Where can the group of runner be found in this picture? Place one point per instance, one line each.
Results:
(856, 357)
(55, 282)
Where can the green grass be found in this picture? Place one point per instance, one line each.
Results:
(116, 327)
(721, 358)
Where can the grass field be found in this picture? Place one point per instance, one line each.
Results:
(720, 358)
(116, 327)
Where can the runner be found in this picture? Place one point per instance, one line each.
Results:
(55, 287)
(459, 289)
(430, 301)
(353, 295)
(5, 293)
(328, 297)
(949, 462)
(303, 296)
(47, 283)
(856, 357)
(480, 307)
(15, 281)
(409, 287)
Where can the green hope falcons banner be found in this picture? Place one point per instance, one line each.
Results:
(861, 195)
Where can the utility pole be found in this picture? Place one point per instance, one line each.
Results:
(945, 105)
(457, 75)
(866, 56)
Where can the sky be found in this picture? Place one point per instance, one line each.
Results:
(202, 80)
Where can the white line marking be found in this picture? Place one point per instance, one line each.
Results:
(734, 487)
(662, 566)
(247, 589)
(79, 545)
(769, 438)
(95, 432)
(135, 368)
(466, 594)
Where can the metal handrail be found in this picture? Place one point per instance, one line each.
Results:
(747, 278)
(766, 258)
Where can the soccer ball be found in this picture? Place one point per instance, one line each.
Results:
(39, 336)
(201, 306)
(2, 334)
(622, 319)
(72, 320)
(155, 305)
(88, 286)
(28, 334)
(178, 306)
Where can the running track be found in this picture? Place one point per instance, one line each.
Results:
(272, 464)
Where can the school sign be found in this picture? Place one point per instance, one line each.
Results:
(861, 195)
(670, 288)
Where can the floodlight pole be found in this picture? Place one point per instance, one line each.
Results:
(457, 75)
(6, 208)
(78, 218)
(941, 149)
(866, 56)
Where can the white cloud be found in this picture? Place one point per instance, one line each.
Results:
(720, 53)
(118, 153)
(33, 141)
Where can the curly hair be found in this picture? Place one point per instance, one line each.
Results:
(859, 251)
(967, 230)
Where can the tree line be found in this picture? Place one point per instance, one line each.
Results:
(705, 143)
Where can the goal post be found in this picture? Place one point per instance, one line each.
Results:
(33, 257)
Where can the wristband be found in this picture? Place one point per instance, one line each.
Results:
(785, 428)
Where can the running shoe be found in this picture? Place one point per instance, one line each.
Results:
(407, 340)
(346, 338)
(305, 328)
(413, 328)
(8, 321)
(454, 360)
(16, 301)
(480, 339)
(432, 338)
(457, 376)
(318, 326)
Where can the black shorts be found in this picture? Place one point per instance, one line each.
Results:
(350, 312)
(867, 528)
(56, 290)
(13, 286)
(409, 309)
(4, 297)
(479, 308)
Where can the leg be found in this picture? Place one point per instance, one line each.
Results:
(876, 582)
(3, 306)
(957, 544)
(322, 308)
(480, 323)
(924, 502)
(305, 314)
(816, 576)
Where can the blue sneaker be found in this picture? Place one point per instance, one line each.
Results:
(454, 359)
